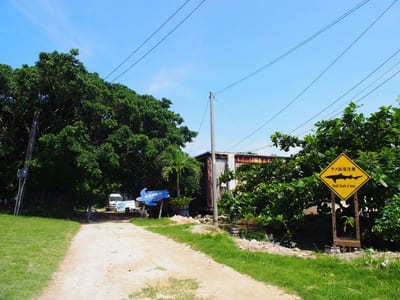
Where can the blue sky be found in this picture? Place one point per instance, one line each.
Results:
(223, 41)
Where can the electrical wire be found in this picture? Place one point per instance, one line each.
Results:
(160, 41)
(262, 147)
(356, 101)
(294, 48)
(371, 91)
(148, 38)
(341, 110)
(337, 112)
(319, 76)
(349, 91)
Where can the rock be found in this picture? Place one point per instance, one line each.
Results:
(184, 220)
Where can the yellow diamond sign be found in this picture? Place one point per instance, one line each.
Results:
(344, 177)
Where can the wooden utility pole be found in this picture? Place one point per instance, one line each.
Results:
(23, 174)
(214, 171)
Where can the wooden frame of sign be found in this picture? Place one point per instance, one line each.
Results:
(342, 241)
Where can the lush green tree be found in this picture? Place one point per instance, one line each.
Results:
(94, 137)
(389, 223)
(279, 191)
(178, 163)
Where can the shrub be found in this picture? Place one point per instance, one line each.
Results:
(389, 223)
(179, 201)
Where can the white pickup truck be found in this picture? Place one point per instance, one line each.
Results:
(112, 201)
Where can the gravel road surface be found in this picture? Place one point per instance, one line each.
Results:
(112, 260)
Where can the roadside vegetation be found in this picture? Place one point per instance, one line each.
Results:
(94, 137)
(174, 289)
(150, 221)
(30, 250)
(320, 278)
(276, 194)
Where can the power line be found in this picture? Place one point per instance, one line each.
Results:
(373, 90)
(356, 101)
(319, 76)
(379, 86)
(349, 91)
(336, 112)
(148, 38)
(294, 48)
(160, 41)
(263, 147)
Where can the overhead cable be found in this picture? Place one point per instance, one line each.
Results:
(326, 69)
(148, 38)
(356, 101)
(337, 112)
(160, 41)
(372, 91)
(294, 48)
(351, 89)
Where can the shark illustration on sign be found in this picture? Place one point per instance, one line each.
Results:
(341, 176)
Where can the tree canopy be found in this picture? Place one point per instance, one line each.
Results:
(279, 191)
(94, 137)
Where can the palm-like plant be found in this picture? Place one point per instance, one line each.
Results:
(176, 161)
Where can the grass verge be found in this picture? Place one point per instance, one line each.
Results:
(321, 278)
(151, 222)
(174, 289)
(30, 250)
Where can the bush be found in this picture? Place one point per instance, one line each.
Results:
(179, 201)
(278, 192)
(389, 223)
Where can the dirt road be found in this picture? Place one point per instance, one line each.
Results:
(112, 260)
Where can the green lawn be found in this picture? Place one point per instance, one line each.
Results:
(30, 250)
(150, 221)
(321, 278)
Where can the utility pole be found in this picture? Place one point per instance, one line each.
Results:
(23, 174)
(214, 171)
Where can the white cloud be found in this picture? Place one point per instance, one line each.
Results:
(169, 81)
(54, 22)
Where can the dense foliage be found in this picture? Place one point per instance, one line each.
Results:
(389, 223)
(180, 165)
(180, 201)
(279, 191)
(94, 137)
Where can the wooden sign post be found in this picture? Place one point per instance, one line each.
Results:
(344, 178)
(342, 241)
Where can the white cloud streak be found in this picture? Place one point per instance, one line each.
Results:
(52, 20)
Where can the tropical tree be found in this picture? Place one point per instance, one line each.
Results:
(94, 137)
(177, 163)
(279, 191)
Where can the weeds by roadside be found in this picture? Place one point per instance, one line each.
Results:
(151, 222)
(174, 289)
(320, 278)
(382, 262)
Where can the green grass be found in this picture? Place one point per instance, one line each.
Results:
(151, 222)
(30, 250)
(175, 289)
(321, 278)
